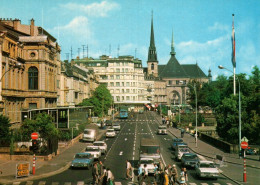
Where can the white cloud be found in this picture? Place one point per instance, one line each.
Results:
(219, 27)
(95, 9)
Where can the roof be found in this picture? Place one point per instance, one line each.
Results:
(193, 70)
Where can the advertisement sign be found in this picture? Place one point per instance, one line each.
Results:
(22, 169)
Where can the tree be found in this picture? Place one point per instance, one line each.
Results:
(5, 135)
(101, 101)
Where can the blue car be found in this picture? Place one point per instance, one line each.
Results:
(82, 160)
(175, 142)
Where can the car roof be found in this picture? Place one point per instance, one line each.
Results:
(208, 162)
(177, 139)
(189, 154)
(145, 158)
(92, 146)
(99, 142)
(83, 153)
(111, 129)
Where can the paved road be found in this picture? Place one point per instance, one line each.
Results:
(126, 146)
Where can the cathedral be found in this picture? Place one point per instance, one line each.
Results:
(170, 81)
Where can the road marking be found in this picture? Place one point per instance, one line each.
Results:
(14, 183)
(80, 183)
(29, 183)
(229, 183)
(67, 183)
(192, 183)
(204, 183)
(125, 139)
(55, 183)
(121, 153)
(42, 182)
(216, 184)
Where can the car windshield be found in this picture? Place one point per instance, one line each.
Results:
(190, 157)
(99, 144)
(207, 165)
(88, 131)
(184, 150)
(177, 140)
(116, 125)
(92, 149)
(82, 156)
(110, 130)
(150, 149)
(148, 161)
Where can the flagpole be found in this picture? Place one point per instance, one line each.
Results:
(234, 80)
(234, 56)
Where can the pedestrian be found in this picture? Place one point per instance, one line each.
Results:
(166, 178)
(182, 133)
(100, 172)
(156, 174)
(145, 175)
(128, 170)
(174, 174)
(140, 174)
(182, 177)
(185, 174)
(160, 166)
(110, 177)
(95, 174)
(163, 120)
(103, 177)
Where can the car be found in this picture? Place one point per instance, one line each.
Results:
(162, 129)
(149, 163)
(180, 151)
(206, 169)
(82, 160)
(94, 150)
(251, 151)
(116, 127)
(89, 135)
(109, 123)
(102, 146)
(175, 142)
(110, 132)
(189, 159)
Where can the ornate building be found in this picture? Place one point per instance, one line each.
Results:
(170, 80)
(29, 58)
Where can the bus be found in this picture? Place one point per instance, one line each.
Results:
(123, 113)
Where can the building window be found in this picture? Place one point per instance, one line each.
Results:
(123, 98)
(76, 95)
(177, 82)
(33, 78)
(118, 98)
(127, 90)
(123, 91)
(111, 77)
(117, 70)
(127, 84)
(111, 84)
(152, 66)
(118, 77)
(118, 64)
(32, 105)
(126, 70)
(117, 84)
(123, 84)
(127, 98)
(169, 82)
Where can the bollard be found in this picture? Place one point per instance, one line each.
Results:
(33, 169)
(244, 174)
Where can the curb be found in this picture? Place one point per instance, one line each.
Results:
(62, 169)
(231, 179)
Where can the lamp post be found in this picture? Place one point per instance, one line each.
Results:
(196, 105)
(239, 105)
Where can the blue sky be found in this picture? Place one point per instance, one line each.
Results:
(202, 28)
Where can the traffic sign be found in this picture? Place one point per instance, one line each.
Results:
(34, 135)
(244, 145)
(244, 139)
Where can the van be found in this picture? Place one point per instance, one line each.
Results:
(180, 150)
(89, 135)
(150, 148)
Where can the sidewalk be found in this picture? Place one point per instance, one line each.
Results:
(227, 169)
(45, 168)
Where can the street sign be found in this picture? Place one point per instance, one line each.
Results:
(244, 145)
(22, 170)
(34, 135)
(244, 139)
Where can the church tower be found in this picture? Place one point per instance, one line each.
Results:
(152, 62)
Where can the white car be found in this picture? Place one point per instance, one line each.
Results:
(116, 127)
(149, 164)
(94, 150)
(206, 169)
(101, 145)
(162, 130)
(110, 132)
(179, 152)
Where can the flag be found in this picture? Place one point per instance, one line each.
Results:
(233, 55)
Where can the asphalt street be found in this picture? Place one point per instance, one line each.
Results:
(126, 146)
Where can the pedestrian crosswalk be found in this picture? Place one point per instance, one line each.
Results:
(116, 183)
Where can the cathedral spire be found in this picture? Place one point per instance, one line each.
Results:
(152, 55)
(172, 46)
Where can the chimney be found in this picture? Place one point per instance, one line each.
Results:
(16, 23)
(32, 27)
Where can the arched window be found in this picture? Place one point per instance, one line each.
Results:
(33, 78)
(152, 66)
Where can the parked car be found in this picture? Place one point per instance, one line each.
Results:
(149, 162)
(175, 142)
(251, 151)
(110, 133)
(180, 151)
(82, 160)
(101, 145)
(116, 127)
(94, 150)
(206, 169)
(162, 129)
(109, 123)
(189, 159)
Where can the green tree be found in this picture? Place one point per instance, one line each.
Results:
(101, 101)
(4, 131)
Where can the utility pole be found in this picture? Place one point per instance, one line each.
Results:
(71, 54)
(68, 56)
(83, 49)
(79, 53)
(87, 50)
(135, 52)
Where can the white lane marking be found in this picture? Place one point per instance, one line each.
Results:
(192, 183)
(125, 139)
(42, 182)
(229, 183)
(29, 183)
(204, 183)
(121, 153)
(216, 184)
(55, 183)
(14, 183)
(80, 183)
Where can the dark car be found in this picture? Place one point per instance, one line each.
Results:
(109, 123)
(251, 151)
(82, 160)
(175, 142)
(189, 159)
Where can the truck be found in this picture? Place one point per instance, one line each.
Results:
(150, 148)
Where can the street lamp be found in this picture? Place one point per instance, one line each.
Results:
(239, 105)
(17, 65)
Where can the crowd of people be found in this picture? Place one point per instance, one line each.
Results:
(101, 174)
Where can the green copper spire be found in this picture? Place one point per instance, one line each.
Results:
(172, 46)
(152, 55)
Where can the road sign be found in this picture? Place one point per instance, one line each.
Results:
(244, 145)
(22, 169)
(34, 135)
(244, 139)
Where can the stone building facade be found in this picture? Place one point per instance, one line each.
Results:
(34, 83)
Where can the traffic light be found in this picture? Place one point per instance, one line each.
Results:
(242, 153)
(34, 145)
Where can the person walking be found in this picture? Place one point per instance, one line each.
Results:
(182, 177)
(140, 174)
(185, 174)
(103, 177)
(95, 174)
(110, 177)
(145, 176)
(166, 178)
(128, 170)
(174, 174)
(156, 174)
